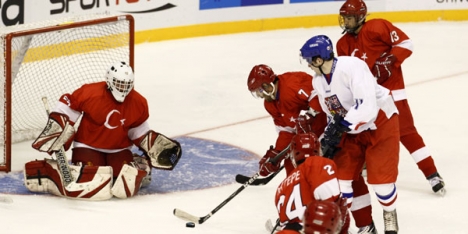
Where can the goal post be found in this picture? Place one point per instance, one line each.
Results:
(51, 58)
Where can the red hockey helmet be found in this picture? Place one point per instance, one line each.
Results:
(303, 145)
(356, 9)
(258, 75)
(322, 217)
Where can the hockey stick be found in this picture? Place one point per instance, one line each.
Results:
(242, 179)
(68, 181)
(192, 218)
(269, 226)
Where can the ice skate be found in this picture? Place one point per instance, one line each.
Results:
(437, 184)
(369, 229)
(391, 222)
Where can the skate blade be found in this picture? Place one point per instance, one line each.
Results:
(441, 192)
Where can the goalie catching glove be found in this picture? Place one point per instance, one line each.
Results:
(57, 133)
(164, 153)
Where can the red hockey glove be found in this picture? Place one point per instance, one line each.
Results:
(382, 69)
(266, 167)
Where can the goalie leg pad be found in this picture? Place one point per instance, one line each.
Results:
(164, 153)
(57, 133)
(43, 176)
(40, 176)
(128, 182)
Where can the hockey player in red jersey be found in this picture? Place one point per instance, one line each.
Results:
(312, 179)
(384, 47)
(320, 217)
(364, 126)
(114, 118)
(323, 217)
(285, 96)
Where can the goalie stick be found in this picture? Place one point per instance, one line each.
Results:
(68, 181)
(242, 179)
(192, 218)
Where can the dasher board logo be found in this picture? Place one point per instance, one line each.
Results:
(213, 4)
(13, 11)
(8, 10)
(142, 6)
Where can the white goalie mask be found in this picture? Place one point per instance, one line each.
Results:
(119, 80)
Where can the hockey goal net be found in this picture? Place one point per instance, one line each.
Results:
(52, 58)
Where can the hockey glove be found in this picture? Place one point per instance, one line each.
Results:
(164, 153)
(332, 136)
(382, 69)
(266, 166)
(304, 123)
(57, 133)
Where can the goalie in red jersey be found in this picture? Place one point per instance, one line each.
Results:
(114, 118)
(312, 184)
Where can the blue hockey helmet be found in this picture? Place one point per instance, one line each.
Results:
(317, 46)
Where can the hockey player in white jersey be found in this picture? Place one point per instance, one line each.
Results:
(363, 123)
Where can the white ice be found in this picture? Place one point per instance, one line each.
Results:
(197, 87)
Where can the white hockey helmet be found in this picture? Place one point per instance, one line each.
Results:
(119, 80)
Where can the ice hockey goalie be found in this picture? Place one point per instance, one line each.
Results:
(113, 118)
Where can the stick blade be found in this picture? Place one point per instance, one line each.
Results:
(269, 226)
(186, 216)
(242, 179)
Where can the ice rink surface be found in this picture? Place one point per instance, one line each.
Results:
(197, 88)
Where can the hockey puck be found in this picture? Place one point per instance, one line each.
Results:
(190, 224)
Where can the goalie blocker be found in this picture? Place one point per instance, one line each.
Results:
(58, 132)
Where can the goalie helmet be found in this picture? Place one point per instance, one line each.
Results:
(317, 46)
(259, 75)
(353, 8)
(322, 217)
(119, 80)
(303, 145)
